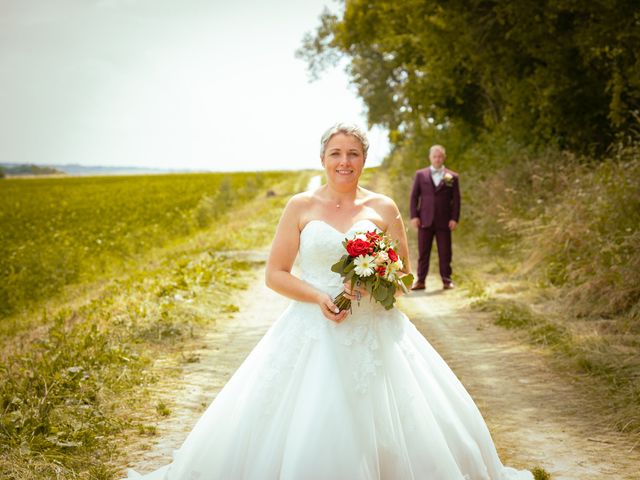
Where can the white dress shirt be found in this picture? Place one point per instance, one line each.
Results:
(437, 174)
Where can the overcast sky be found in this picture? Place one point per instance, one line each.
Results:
(196, 84)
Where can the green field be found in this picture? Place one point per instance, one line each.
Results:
(58, 231)
(117, 272)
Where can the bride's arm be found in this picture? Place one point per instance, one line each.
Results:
(395, 229)
(283, 253)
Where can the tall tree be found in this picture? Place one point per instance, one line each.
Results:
(559, 71)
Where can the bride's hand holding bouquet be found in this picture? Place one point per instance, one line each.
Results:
(371, 267)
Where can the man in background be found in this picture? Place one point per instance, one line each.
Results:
(435, 210)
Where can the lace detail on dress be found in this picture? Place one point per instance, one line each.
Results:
(359, 332)
(362, 332)
(320, 247)
(281, 362)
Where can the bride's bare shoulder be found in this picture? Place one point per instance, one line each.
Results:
(298, 207)
(301, 200)
(384, 207)
(379, 201)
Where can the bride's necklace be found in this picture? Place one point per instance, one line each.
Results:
(338, 203)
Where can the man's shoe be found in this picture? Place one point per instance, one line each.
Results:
(418, 286)
(449, 286)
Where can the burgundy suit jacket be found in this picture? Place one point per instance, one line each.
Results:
(435, 206)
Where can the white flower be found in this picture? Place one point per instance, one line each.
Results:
(381, 258)
(392, 269)
(364, 265)
(448, 179)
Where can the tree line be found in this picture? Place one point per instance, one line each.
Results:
(555, 72)
(27, 170)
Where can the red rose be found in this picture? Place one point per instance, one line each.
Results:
(373, 236)
(358, 247)
(380, 270)
(393, 256)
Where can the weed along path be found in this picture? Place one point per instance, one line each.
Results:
(536, 415)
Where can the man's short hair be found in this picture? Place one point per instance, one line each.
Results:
(437, 147)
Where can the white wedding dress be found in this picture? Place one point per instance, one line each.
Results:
(367, 399)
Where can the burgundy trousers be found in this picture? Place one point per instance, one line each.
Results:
(443, 240)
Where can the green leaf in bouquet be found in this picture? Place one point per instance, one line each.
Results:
(407, 281)
(388, 304)
(369, 287)
(339, 266)
(386, 289)
(378, 294)
(351, 277)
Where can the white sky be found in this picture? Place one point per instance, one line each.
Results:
(195, 84)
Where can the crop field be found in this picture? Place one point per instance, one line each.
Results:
(58, 231)
(75, 372)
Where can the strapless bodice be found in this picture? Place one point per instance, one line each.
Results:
(320, 247)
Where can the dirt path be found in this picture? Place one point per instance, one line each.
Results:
(534, 414)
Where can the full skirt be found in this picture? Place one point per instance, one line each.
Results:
(367, 399)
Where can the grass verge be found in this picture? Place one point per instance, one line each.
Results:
(72, 388)
(607, 369)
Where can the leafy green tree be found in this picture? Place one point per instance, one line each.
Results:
(550, 71)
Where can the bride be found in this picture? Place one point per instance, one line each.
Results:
(339, 395)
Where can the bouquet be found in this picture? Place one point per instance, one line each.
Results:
(371, 261)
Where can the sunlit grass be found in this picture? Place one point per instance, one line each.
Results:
(74, 384)
(59, 231)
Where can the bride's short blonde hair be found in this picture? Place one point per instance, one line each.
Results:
(348, 129)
